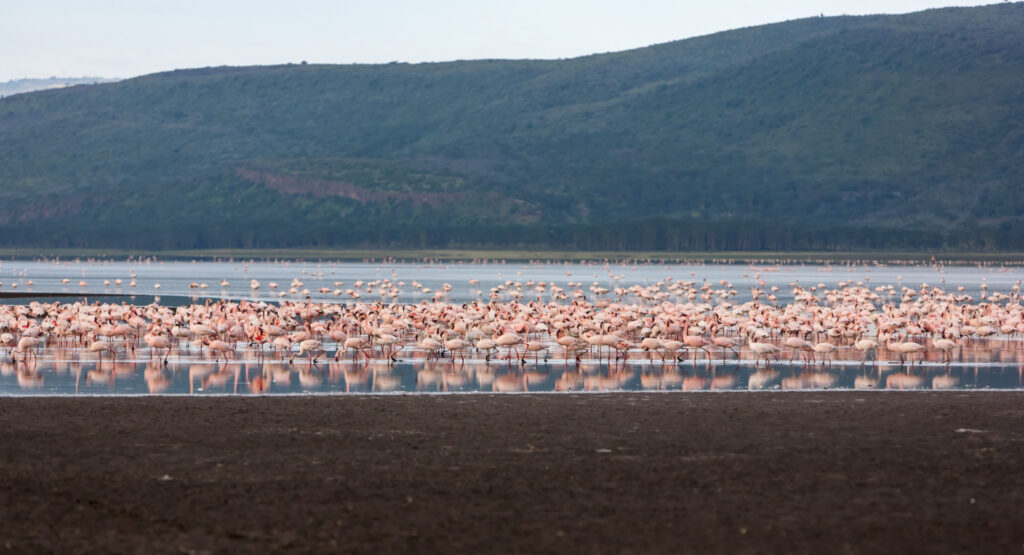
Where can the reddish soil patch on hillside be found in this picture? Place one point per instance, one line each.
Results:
(323, 188)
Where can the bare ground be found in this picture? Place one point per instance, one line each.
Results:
(736, 472)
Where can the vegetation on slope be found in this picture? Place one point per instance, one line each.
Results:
(826, 133)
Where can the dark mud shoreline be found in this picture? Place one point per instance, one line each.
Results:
(744, 472)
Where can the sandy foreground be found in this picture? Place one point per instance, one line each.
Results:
(624, 472)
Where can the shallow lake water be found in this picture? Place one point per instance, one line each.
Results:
(981, 364)
(142, 378)
(987, 364)
(172, 282)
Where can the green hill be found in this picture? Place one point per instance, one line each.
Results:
(826, 133)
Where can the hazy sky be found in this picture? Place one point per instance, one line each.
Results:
(122, 38)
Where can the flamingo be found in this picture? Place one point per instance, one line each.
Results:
(387, 343)
(313, 347)
(865, 346)
(7, 340)
(456, 345)
(602, 340)
(905, 348)
(694, 341)
(357, 344)
(571, 344)
(796, 344)
(431, 346)
(724, 342)
(763, 350)
(220, 348)
(158, 341)
(825, 349)
(535, 347)
(946, 346)
(509, 340)
(671, 348)
(98, 347)
(486, 345)
(649, 344)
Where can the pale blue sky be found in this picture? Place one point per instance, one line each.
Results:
(123, 38)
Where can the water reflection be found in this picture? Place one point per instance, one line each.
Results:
(66, 371)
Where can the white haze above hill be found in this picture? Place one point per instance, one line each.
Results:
(120, 38)
(18, 86)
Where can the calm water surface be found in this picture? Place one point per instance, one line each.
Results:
(986, 364)
(337, 281)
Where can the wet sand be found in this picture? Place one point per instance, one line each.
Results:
(721, 472)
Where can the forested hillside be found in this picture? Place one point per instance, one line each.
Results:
(827, 133)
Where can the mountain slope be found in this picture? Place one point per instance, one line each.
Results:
(847, 132)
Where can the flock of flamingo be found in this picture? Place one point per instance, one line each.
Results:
(849, 322)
